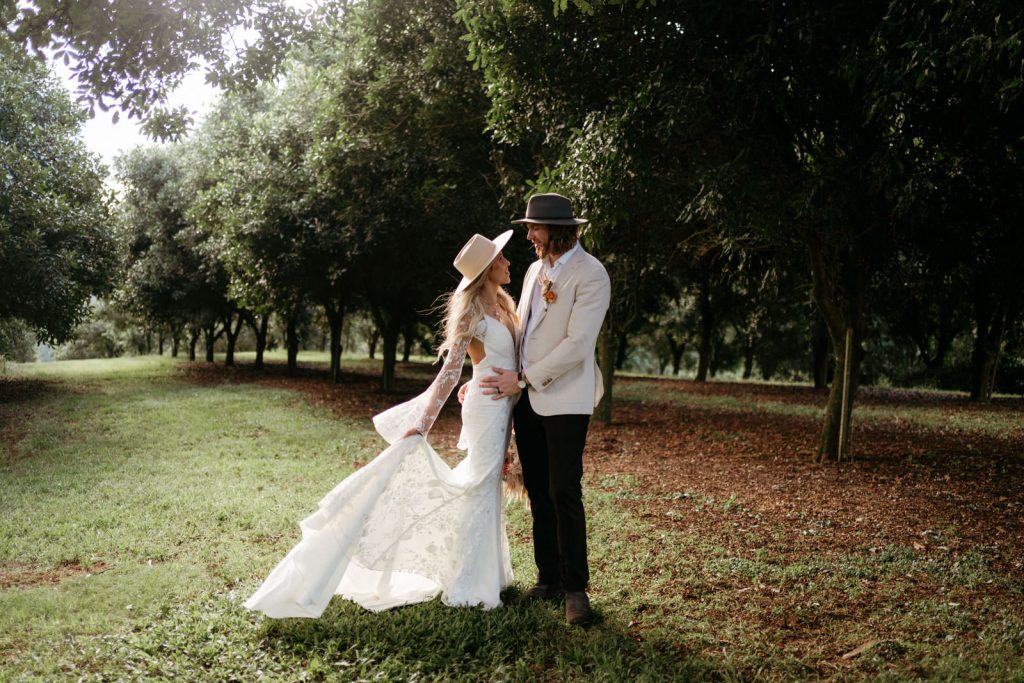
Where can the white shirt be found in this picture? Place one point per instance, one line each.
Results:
(537, 301)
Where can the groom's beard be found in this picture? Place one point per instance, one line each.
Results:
(543, 251)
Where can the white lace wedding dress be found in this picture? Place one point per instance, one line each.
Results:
(406, 527)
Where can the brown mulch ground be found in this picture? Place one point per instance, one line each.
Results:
(22, 574)
(908, 485)
(941, 494)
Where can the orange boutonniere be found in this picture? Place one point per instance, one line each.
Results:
(546, 292)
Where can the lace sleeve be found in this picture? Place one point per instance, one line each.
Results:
(442, 386)
(420, 412)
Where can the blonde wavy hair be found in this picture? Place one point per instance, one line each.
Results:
(463, 310)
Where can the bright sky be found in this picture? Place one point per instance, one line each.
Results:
(108, 139)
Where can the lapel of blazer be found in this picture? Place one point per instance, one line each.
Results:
(568, 269)
(526, 299)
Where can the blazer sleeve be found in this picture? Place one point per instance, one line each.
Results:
(593, 295)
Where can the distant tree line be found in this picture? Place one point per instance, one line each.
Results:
(348, 187)
(793, 190)
(56, 246)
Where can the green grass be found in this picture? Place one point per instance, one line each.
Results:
(161, 504)
(139, 510)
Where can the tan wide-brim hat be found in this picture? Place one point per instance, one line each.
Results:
(477, 255)
(550, 209)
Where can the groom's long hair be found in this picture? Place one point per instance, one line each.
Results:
(462, 311)
(561, 238)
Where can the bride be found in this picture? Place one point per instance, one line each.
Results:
(406, 528)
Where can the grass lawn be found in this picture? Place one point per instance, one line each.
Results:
(141, 503)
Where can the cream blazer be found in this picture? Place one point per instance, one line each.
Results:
(560, 366)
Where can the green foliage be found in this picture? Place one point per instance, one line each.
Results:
(17, 343)
(735, 160)
(408, 157)
(953, 97)
(107, 332)
(173, 272)
(251, 152)
(159, 266)
(56, 247)
(131, 56)
(737, 136)
(371, 149)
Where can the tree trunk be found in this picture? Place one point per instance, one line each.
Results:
(210, 337)
(707, 327)
(261, 339)
(371, 342)
(830, 447)
(842, 308)
(193, 339)
(933, 362)
(335, 318)
(768, 364)
(621, 350)
(175, 342)
(748, 358)
(390, 350)
(716, 358)
(160, 344)
(677, 348)
(232, 335)
(292, 341)
(988, 343)
(819, 353)
(408, 337)
(606, 349)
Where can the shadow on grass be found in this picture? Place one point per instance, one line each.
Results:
(514, 642)
(15, 390)
(16, 395)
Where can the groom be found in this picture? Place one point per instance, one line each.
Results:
(563, 303)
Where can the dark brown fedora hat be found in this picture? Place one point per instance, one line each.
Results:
(550, 209)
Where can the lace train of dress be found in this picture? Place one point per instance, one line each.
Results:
(406, 527)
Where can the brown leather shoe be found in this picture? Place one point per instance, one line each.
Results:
(577, 608)
(542, 591)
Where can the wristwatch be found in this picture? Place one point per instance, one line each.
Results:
(522, 380)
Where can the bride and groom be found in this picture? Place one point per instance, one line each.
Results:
(406, 527)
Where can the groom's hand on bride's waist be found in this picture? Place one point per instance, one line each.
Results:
(501, 384)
